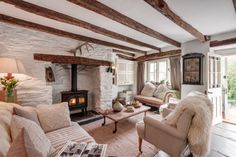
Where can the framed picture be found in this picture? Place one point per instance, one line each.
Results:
(192, 68)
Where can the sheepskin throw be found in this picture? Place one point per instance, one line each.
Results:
(200, 128)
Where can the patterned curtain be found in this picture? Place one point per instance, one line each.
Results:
(175, 73)
(140, 77)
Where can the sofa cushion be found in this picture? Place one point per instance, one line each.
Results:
(28, 113)
(73, 133)
(39, 140)
(149, 100)
(6, 111)
(52, 117)
(5, 120)
(22, 146)
(160, 91)
(148, 89)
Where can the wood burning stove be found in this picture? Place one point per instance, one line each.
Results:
(77, 99)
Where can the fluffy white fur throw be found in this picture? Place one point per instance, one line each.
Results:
(200, 128)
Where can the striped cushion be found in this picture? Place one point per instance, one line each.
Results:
(73, 133)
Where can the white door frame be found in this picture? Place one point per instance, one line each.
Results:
(215, 92)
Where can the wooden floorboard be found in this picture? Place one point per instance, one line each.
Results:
(227, 126)
(227, 134)
(223, 146)
(223, 140)
(216, 154)
(125, 141)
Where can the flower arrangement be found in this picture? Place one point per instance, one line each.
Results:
(9, 86)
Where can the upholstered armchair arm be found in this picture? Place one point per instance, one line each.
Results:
(169, 94)
(151, 122)
(166, 112)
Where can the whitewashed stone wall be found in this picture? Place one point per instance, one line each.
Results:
(103, 88)
(22, 43)
(32, 91)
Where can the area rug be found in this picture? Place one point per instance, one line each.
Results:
(124, 143)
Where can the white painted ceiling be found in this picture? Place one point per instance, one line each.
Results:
(208, 16)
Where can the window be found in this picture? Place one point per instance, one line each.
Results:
(158, 70)
(152, 71)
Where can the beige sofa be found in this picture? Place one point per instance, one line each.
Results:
(57, 137)
(153, 101)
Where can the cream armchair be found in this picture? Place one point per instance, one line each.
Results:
(171, 140)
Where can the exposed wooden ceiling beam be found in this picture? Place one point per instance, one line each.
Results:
(160, 55)
(234, 3)
(163, 8)
(124, 52)
(54, 31)
(70, 60)
(41, 11)
(223, 42)
(126, 57)
(108, 12)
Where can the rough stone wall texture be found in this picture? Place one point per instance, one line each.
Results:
(22, 43)
(102, 88)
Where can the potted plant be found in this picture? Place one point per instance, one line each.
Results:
(9, 88)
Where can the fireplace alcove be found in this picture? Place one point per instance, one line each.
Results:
(77, 99)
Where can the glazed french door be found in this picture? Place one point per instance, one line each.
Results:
(214, 85)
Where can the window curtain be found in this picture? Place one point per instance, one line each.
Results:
(140, 77)
(175, 72)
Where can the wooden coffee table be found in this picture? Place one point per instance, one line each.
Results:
(118, 116)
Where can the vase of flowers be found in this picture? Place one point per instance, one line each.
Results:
(9, 86)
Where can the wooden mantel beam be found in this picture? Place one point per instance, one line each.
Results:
(41, 11)
(70, 60)
(162, 7)
(54, 31)
(108, 12)
(223, 42)
(160, 55)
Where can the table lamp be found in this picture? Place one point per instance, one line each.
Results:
(9, 66)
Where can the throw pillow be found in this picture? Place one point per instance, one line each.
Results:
(53, 117)
(155, 83)
(22, 146)
(148, 90)
(35, 134)
(28, 113)
(160, 91)
(5, 133)
(6, 111)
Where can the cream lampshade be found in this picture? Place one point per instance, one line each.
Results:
(11, 65)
